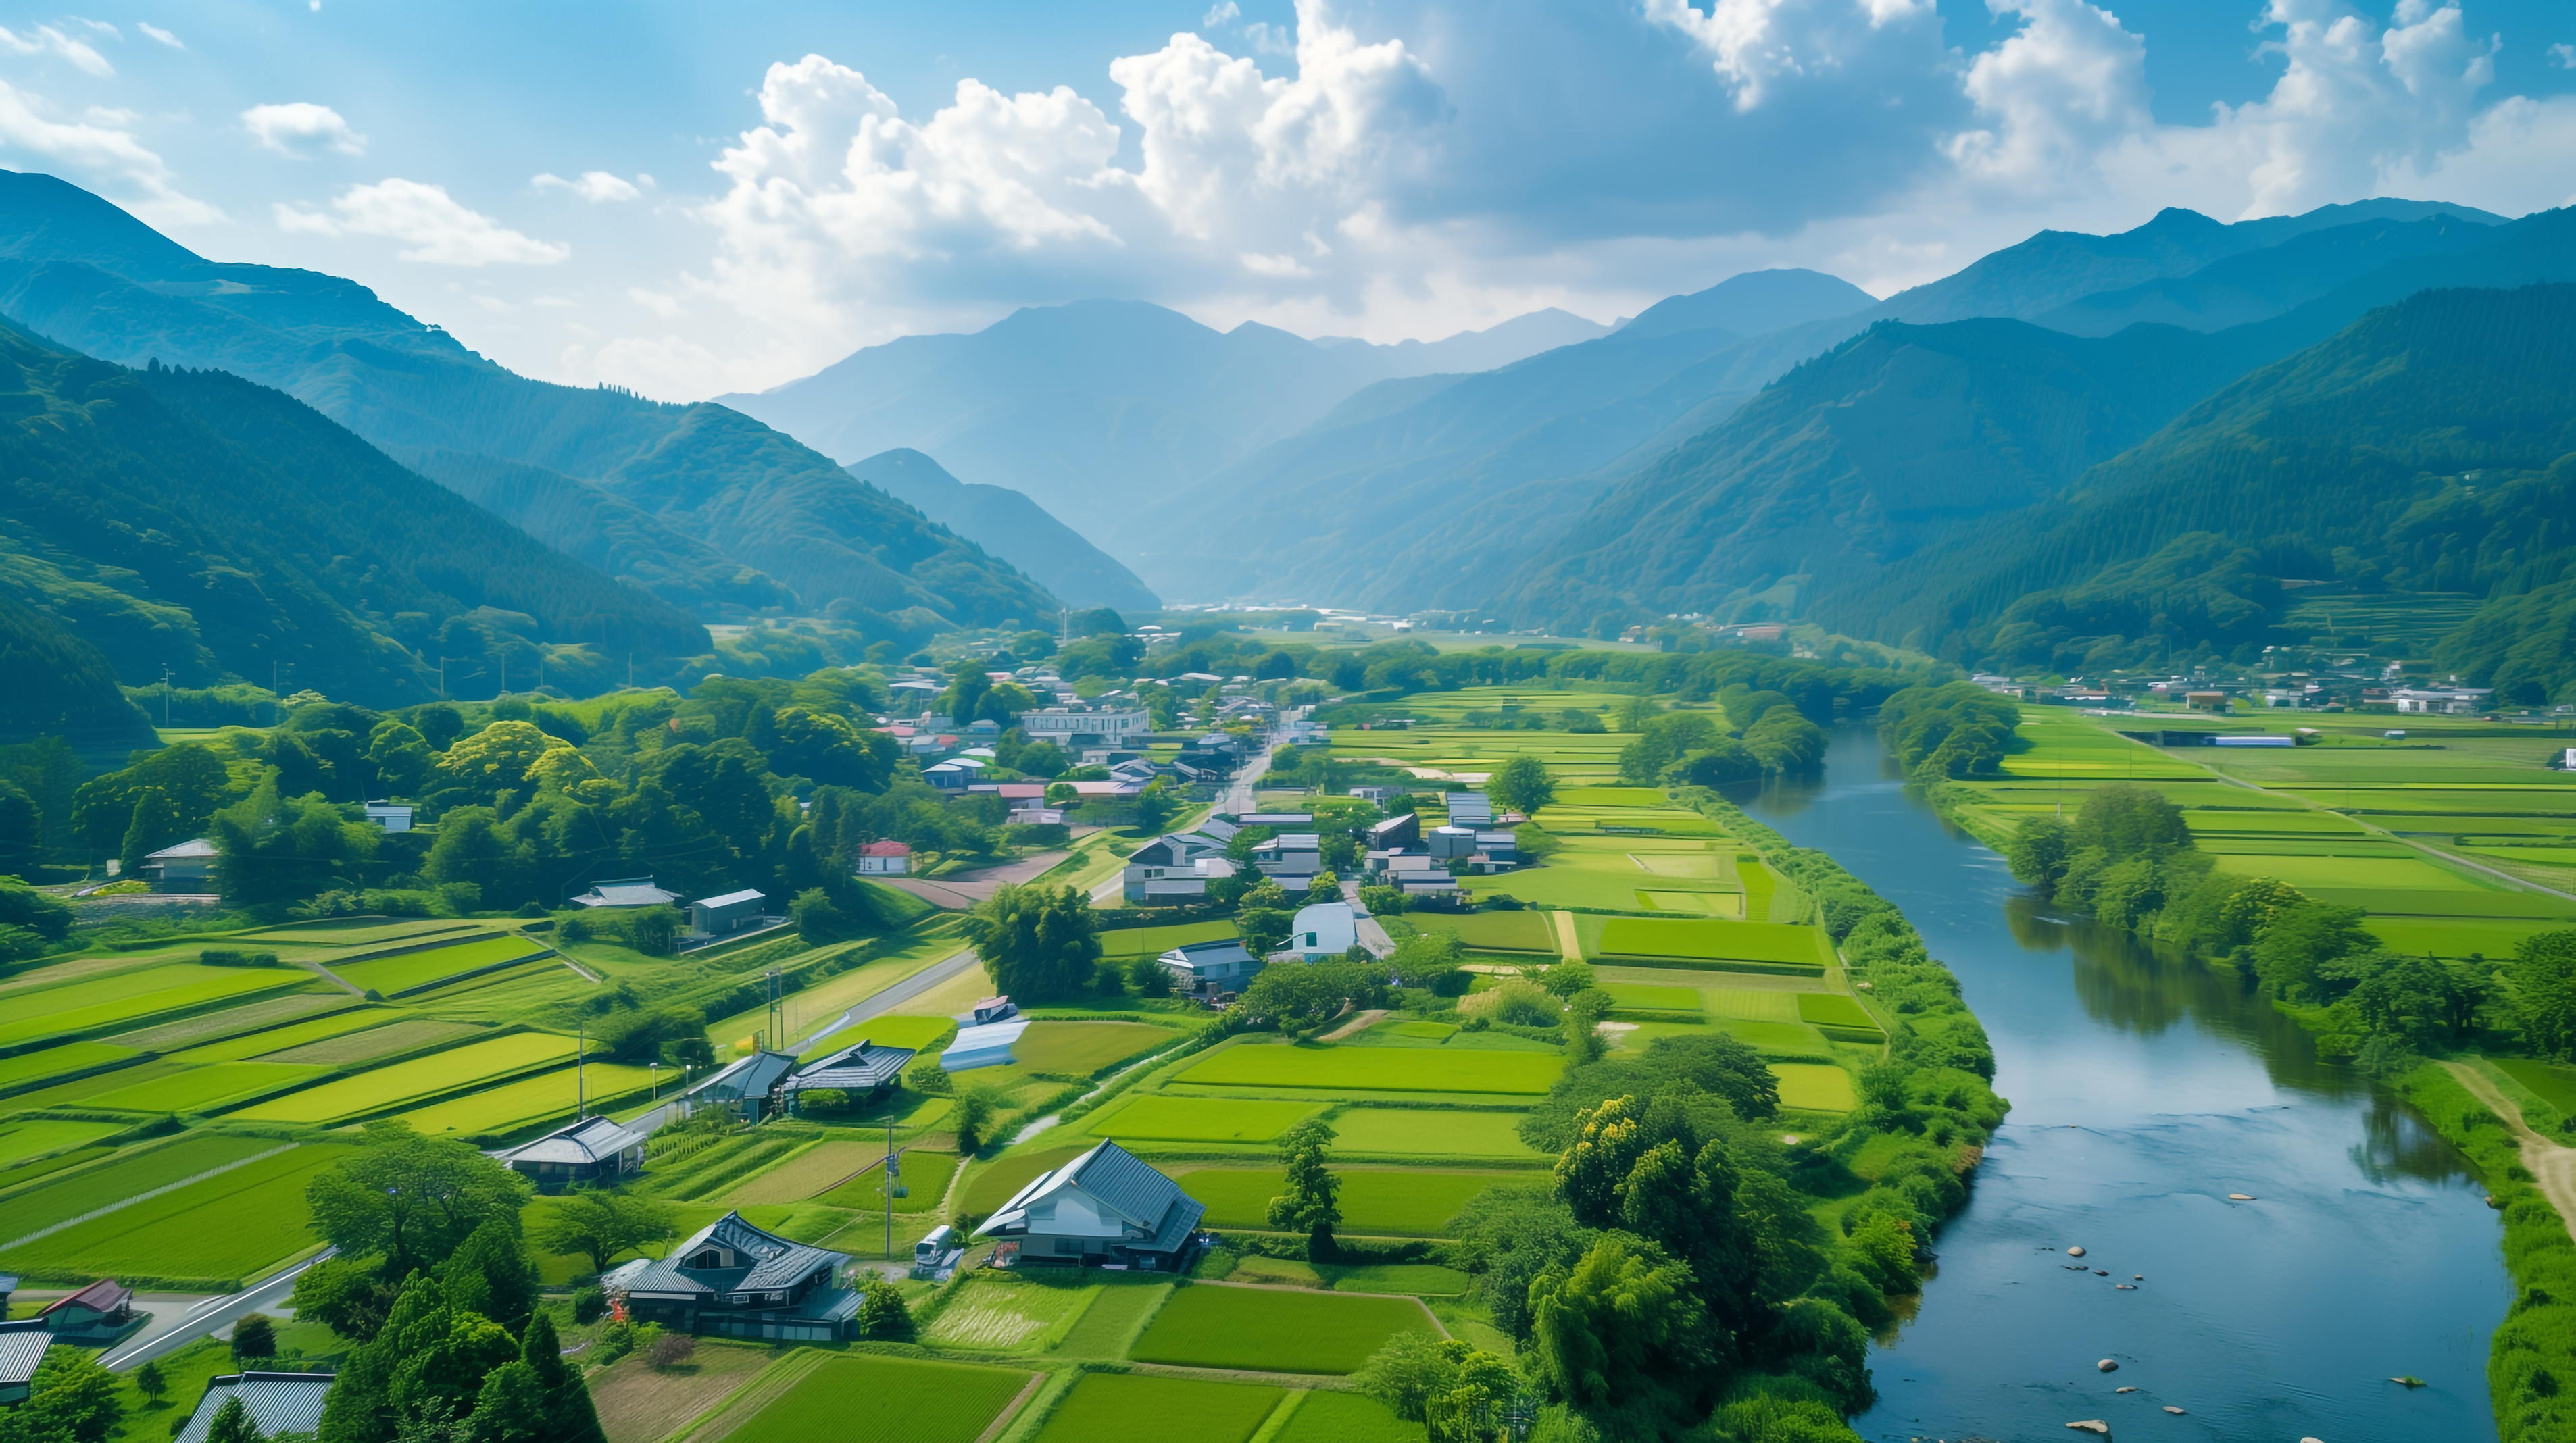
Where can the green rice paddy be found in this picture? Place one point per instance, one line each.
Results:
(1406, 1132)
(1500, 931)
(101, 1002)
(295, 1034)
(1267, 1330)
(389, 1087)
(140, 1170)
(1403, 1204)
(1196, 1119)
(1145, 1408)
(1833, 1009)
(925, 1181)
(867, 1398)
(1132, 942)
(1814, 1087)
(1328, 1416)
(202, 1089)
(515, 1106)
(1380, 1069)
(36, 1137)
(1644, 997)
(419, 971)
(223, 1229)
(1711, 940)
(1079, 1049)
(28, 1068)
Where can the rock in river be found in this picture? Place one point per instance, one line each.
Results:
(2074, 1253)
(2109, 1365)
(2093, 1425)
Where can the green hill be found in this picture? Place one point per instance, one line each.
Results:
(78, 270)
(2427, 447)
(59, 685)
(200, 521)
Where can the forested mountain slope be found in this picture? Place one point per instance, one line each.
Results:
(60, 686)
(1010, 526)
(2425, 448)
(78, 270)
(200, 521)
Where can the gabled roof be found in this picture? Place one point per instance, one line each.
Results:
(1196, 955)
(592, 1140)
(199, 847)
(277, 1403)
(22, 1347)
(774, 1262)
(862, 1068)
(731, 898)
(753, 1076)
(627, 892)
(885, 849)
(1117, 1184)
(104, 1296)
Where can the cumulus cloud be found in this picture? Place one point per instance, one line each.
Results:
(47, 40)
(2071, 83)
(1754, 44)
(596, 185)
(435, 228)
(157, 33)
(101, 147)
(303, 130)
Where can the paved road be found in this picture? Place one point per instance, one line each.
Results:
(208, 1317)
(943, 970)
(1371, 931)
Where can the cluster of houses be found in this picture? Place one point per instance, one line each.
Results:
(1420, 861)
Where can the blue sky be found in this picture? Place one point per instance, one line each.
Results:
(689, 199)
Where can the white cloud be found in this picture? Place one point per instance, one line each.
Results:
(2069, 84)
(102, 148)
(595, 185)
(437, 230)
(302, 129)
(46, 40)
(1755, 44)
(1220, 15)
(157, 33)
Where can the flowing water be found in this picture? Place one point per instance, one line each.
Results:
(2146, 1088)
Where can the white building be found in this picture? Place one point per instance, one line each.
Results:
(1323, 930)
(1073, 727)
(2442, 701)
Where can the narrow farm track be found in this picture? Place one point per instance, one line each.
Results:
(2553, 1165)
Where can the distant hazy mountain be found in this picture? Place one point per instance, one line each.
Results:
(1010, 526)
(1426, 492)
(1101, 409)
(770, 517)
(200, 521)
(2431, 446)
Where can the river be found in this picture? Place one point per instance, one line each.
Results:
(2145, 1089)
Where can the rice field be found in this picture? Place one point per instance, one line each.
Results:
(29, 1068)
(249, 1016)
(1133, 942)
(1010, 1313)
(202, 1089)
(1499, 931)
(39, 1136)
(1330, 1416)
(1270, 1330)
(353, 1047)
(870, 1398)
(278, 1039)
(1425, 1133)
(101, 1002)
(1833, 1009)
(1396, 1204)
(925, 1181)
(1378, 1069)
(140, 1170)
(1196, 1119)
(1648, 998)
(497, 1112)
(1814, 1087)
(420, 971)
(1712, 940)
(387, 1088)
(1147, 1408)
(1080, 1049)
(222, 1229)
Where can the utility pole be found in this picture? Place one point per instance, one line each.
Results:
(893, 1185)
(777, 1009)
(580, 1078)
(165, 694)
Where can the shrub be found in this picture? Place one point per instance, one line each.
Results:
(669, 1351)
(232, 957)
(589, 1303)
(254, 1338)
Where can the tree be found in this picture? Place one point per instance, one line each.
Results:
(410, 1199)
(1569, 977)
(71, 1398)
(254, 1338)
(569, 1414)
(2294, 957)
(1312, 1202)
(2037, 852)
(494, 760)
(1155, 806)
(1583, 1014)
(1432, 960)
(1264, 929)
(155, 825)
(489, 1274)
(1038, 943)
(2543, 973)
(22, 831)
(401, 757)
(669, 1351)
(232, 1423)
(349, 1295)
(269, 849)
(600, 1225)
(509, 1407)
(970, 1114)
(1522, 785)
(1622, 1313)
(881, 1311)
(150, 1381)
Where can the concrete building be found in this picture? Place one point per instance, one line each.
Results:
(1076, 727)
(728, 914)
(865, 1071)
(390, 816)
(22, 1347)
(1322, 931)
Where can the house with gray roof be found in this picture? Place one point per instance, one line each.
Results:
(595, 1149)
(626, 892)
(746, 1086)
(1103, 1209)
(1206, 968)
(277, 1403)
(22, 1347)
(738, 1281)
(862, 1071)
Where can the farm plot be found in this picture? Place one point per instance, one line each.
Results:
(993, 1186)
(1267, 1330)
(1814, 1087)
(1500, 931)
(140, 1171)
(1833, 1009)
(864, 1398)
(420, 971)
(78, 1091)
(1010, 1313)
(354, 1047)
(2455, 936)
(30, 1068)
(925, 1181)
(202, 1089)
(1381, 1069)
(36, 1137)
(218, 1230)
(389, 1087)
(278, 1039)
(2310, 874)
(1401, 1204)
(1197, 1119)
(248, 1017)
(810, 1173)
(1132, 942)
(1327, 1416)
(126, 996)
(498, 1111)
(639, 1403)
(1145, 1408)
(1711, 940)
(1079, 1049)
(1771, 1039)
(1412, 1132)
(1648, 998)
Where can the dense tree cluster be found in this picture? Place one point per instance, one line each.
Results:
(1957, 729)
(1753, 735)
